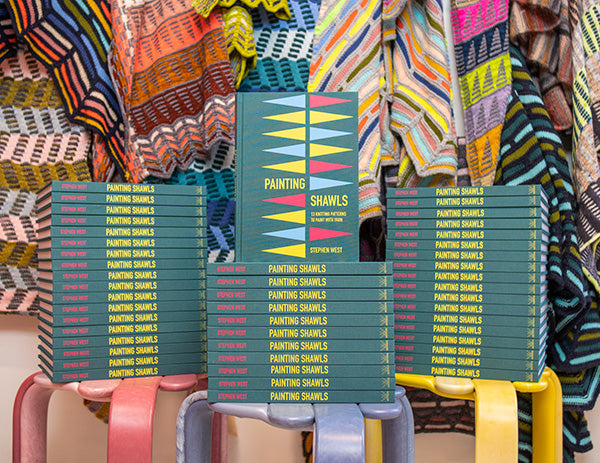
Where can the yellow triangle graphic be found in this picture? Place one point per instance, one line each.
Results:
(297, 117)
(297, 167)
(294, 216)
(297, 250)
(294, 134)
(316, 117)
(320, 150)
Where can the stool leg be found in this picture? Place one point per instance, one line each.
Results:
(398, 435)
(496, 426)
(339, 434)
(30, 422)
(130, 420)
(194, 429)
(547, 421)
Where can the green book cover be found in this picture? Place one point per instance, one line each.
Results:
(470, 266)
(458, 213)
(494, 287)
(423, 317)
(157, 221)
(291, 268)
(471, 372)
(297, 177)
(349, 345)
(513, 310)
(305, 369)
(126, 188)
(514, 331)
(129, 372)
(83, 341)
(58, 331)
(302, 333)
(81, 264)
(466, 201)
(469, 224)
(409, 349)
(120, 209)
(492, 190)
(299, 308)
(536, 341)
(402, 245)
(82, 307)
(507, 363)
(469, 298)
(492, 256)
(190, 296)
(299, 282)
(479, 234)
(70, 353)
(108, 231)
(316, 295)
(294, 396)
(149, 254)
(58, 243)
(241, 357)
(302, 383)
(70, 276)
(470, 277)
(356, 320)
(94, 286)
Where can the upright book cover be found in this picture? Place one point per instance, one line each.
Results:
(297, 177)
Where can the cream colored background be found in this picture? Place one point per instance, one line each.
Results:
(75, 435)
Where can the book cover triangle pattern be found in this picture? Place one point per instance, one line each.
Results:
(274, 189)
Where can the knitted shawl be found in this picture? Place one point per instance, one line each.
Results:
(174, 82)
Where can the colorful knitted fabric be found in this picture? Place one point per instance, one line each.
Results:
(418, 82)
(480, 32)
(540, 28)
(283, 48)
(37, 144)
(72, 40)
(348, 56)
(239, 35)
(279, 8)
(8, 39)
(174, 81)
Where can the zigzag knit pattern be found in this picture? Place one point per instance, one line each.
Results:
(8, 39)
(348, 56)
(419, 82)
(37, 144)
(279, 8)
(480, 31)
(239, 34)
(174, 81)
(73, 44)
(283, 48)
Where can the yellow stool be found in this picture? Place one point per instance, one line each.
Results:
(496, 421)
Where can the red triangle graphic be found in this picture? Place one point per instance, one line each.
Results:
(292, 200)
(320, 166)
(323, 234)
(320, 100)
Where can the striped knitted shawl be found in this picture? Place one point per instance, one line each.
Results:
(279, 8)
(8, 39)
(37, 144)
(283, 48)
(174, 81)
(480, 32)
(72, 39)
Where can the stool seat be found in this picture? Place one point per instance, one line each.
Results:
(130, 421)
(339, 429)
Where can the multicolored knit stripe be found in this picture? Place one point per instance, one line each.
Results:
(19, 301)
(580, 389)
(72, 41)
(18, 277)
(348, 56)
(175, 83)
(540, 28)
(576, 434)
(239, 34)
(421, 112)
(284, 48)
(18, 203)
(8, 39)
(218, 176)
(532, 153)
(279, 8)
(483, 66)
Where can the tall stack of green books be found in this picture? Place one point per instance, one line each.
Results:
(470, 290)
(297, 318)
(122, 280)
(318, 332)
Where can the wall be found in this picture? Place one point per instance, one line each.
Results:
(76, 435)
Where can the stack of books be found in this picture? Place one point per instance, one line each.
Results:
(470, 290)
(318, 332)
(122, 280)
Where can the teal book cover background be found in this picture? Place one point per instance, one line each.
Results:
(297, 177)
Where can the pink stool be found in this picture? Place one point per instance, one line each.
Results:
(131, 415)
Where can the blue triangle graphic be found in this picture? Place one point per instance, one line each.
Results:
(292, 150)
(317, 133)
(298, 101)
(316, 183)
(298, 234)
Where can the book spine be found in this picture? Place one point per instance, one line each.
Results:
(470, 266)
(402, 213)
(137, 254)
(512, 363)
(136, 350)
(107, 198)
(77, 232)
(84, 341)
(302, 282)
(265, 320)
(492, 190)
(479, 201)
(94, 286)
(393, 246)
(298, 383)
(495, 287)
(307, 370)
(118, 210)
(96, 363)
(490, 276)
(505, 353)
(242, 358)
(188, 297)
(347, 345)
(80, 264)
(516, 331)
(469, 298)
(127, 188)
(83, 308)
(122, 275)
(252, 333)
(316, 268)
(128, 317)
(125, 328)
(469, 372)
(293, 396)
(299, 308)
(112, 220)
(307, 295)
(481, 256)
(531, 310)
(410, 338)
(63, 243)
(455, 234)
(468, 224)
(431, 317)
